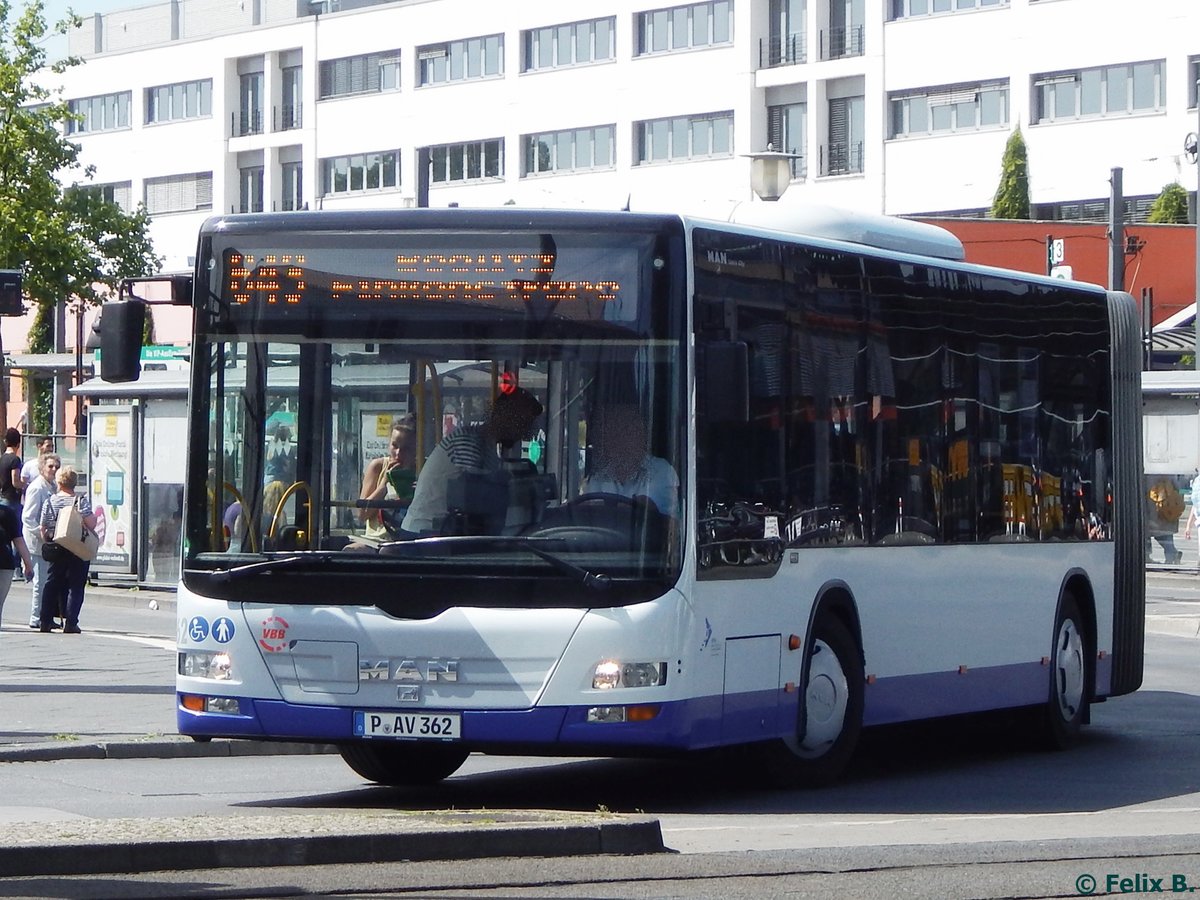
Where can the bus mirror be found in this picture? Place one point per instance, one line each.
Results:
(726, 382)
(181, 290)
(121, 327)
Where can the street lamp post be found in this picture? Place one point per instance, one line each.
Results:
(770, 172)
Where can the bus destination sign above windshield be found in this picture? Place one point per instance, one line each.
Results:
(290, 278)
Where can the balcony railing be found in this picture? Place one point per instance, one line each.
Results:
(248, 121)
(840, 42)
(842, 158)
(286, 117)
(782, 50)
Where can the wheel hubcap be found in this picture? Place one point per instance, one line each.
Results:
(825, 701)
(1068, 670)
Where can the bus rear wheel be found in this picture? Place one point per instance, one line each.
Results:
(1066, 708)
(403, 764)
(833, 711)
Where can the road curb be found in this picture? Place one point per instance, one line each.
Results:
(465, 842)
(182, 749)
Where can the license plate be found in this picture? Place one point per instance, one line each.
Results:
(408, 725)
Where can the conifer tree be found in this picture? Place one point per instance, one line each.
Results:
(1012, 195)
(1170, 207)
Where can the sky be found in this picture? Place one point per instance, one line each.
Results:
(57, 9)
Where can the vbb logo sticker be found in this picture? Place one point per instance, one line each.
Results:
(274, 634)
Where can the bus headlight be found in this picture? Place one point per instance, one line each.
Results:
(206, 664)
(610, 673)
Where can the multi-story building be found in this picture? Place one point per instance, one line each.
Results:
(898, 106)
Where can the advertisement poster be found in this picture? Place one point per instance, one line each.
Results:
(377, 429)
(111, 486)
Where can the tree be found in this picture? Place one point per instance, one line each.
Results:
(73, 246)
(1012, 196)
(1170, 207)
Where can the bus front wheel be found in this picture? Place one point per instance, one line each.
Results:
(1063, 715)
(833, 711)
(403, 764)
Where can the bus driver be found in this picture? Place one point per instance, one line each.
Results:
(622, 463)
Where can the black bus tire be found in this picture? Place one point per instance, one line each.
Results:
(403, 764)
(833, 710)
(1062, 717)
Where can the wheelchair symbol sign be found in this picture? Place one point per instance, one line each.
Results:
(198, 628)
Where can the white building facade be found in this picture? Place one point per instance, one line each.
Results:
(198, 107)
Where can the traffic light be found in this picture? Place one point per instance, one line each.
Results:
(11, 303)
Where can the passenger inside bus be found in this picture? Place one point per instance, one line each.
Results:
(388, 482)
(458, 461)
(622, 463)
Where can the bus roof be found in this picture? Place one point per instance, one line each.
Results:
(867, 229)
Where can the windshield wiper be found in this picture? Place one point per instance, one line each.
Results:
(234, 573)
(597, 581)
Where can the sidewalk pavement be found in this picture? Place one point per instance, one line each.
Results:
(109, 693)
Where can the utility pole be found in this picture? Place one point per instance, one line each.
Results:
(1116, 233)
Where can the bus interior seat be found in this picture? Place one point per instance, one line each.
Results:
(503, 502)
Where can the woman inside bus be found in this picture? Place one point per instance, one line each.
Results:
(389, 478)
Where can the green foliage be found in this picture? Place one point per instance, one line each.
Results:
(40, 391)
(1170, 207)
(72, 245)
(41, 332)
(40, 406)
(1012, 195)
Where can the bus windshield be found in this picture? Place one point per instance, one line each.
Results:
(489, 418)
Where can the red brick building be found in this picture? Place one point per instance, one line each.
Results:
(1162, 257)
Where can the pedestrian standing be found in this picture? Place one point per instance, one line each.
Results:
(33, 466)
(39, 489)
(12, 547)
(66, 576)
(10, 469)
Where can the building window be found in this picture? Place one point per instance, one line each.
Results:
(292, 105)
(250, 109)
(787, 131)
(293, 186)
(250, 189)
(683, 27)
(179, 193)
(478, 57)
(786, 44)
(1104, 91)
(846, 35)
(843, 155)
(107, 112)
(557, 46)
(573, 150)
(118, 192)
(360, 173)
(1193, 78)
(370, 73)
(185, 100)
(684, 137)
(907, 9)
(470, 161)
(940, 110)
